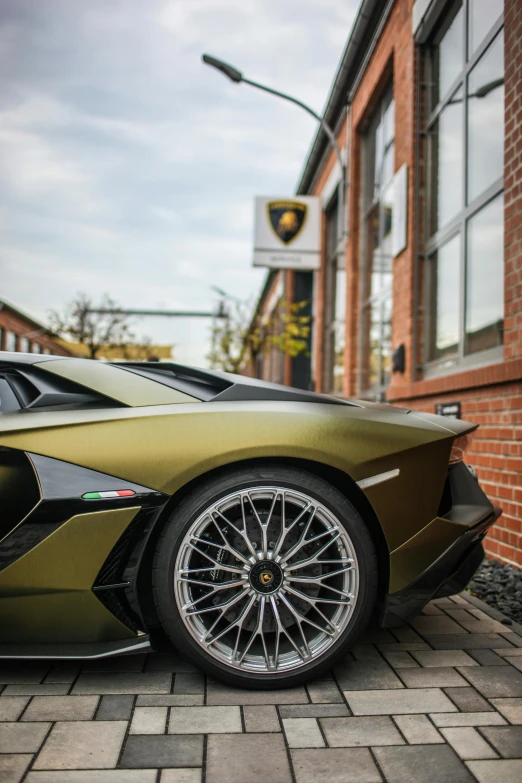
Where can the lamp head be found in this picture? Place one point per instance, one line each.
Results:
(232, 73)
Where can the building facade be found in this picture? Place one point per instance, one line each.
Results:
(19, 332)
(418, 300)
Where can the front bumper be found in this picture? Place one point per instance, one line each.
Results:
(466, 505)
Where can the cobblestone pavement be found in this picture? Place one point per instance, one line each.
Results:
(437, 700)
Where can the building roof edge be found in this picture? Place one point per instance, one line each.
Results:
(359, 40)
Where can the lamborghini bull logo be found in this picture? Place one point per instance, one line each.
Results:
(287, 219)
(265, 577)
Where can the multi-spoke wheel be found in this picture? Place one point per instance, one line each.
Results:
(265, 576)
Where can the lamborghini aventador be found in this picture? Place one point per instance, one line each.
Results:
(258, 527)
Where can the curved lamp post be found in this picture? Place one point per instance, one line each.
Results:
(236, 76)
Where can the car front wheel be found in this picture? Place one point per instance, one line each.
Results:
(265, 576)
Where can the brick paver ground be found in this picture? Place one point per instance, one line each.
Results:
(439, 699)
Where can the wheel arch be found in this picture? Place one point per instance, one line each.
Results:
(337, 478)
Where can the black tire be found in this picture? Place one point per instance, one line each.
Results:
(210, 491)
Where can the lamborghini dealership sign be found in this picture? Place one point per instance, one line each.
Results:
(287, 232)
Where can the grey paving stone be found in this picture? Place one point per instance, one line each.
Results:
(419, 763)
(376, 635)
(12, 706)
(168, 663)
(335, 765)
(55, 708)
(218, 694)
(108, 682)
(366, 652)
(512, 638)
(149, 720)
(120, 663)
(355, 732)
(476, 624)
(22, 737)
(436, 625)
(303, 733)
(403, 646)
(432, 678)
(94, 776)
(247, 757)
(487, 658)
(82, 745)
(47, 689)
(464, 641)
(63, 671)
(516, 662)
(398, 702)
(404, 633)
(438, 658)
(509, 651)
(163, 750)
(324, 692)
(366, 675)
(496, 771)
(115, 707)
(462, 599)
(495, 681)
(467, 719)
(172, 700)
(314, 711)
(262, 718)
(510, 709)
(432, 609)
(506, 739)
(418, 730)
(189, 682)
(400, 660)
(467, 742)
(13, 766)
(205, 720)
(468, 700)
(22, 673)
(181, 776)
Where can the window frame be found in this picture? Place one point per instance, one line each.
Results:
(459, 224)
(334, 264)
(372, 200)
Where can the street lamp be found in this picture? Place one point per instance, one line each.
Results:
(237, 77)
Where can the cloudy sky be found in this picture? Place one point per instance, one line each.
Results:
(129, 167)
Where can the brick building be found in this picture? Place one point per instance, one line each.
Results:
(420, 302)
(19, 332)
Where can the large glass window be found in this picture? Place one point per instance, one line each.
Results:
(375, 347)
(464, 243)
(11, 341)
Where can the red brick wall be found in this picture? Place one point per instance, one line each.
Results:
(11, 321)
(496, 454)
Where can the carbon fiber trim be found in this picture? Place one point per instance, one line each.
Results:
(75, 651)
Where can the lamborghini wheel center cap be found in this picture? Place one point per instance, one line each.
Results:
(266, 577)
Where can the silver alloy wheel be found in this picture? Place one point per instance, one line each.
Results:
(266, 580)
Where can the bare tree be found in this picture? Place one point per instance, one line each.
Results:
(237, 339)
(95, 330)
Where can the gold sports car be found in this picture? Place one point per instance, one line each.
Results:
(258, 527)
